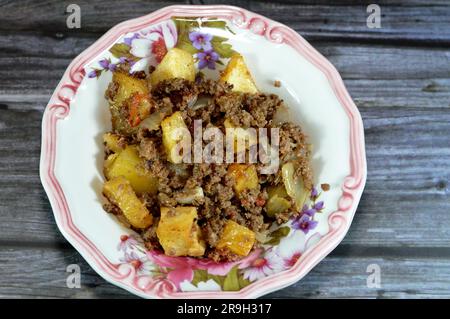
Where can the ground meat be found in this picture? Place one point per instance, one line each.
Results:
(181, 93)
(122, 142)
(213, 88)
(150, 237)
(220, 202)
(111, 91)
(150, 149)
(249, 110)
(111, 208)
(221, 255)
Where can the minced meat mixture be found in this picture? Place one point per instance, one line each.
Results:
(215, 102)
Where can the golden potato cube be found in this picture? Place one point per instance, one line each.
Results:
(238, 74)
(109, 161)
(111, 141)
(128, 164)
(127, 85)
(176, 63)
(245, 176)
(178, 232)
(236, 238)
(119, 191)
(174, 130)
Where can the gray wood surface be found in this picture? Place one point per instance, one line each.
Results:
(399, 76)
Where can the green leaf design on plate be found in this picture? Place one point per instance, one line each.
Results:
(201, 275)
(185, 44)
(231, 282)
(184, 26)
(223, 49)
(218, 24)
(243, 282)
(120, 50)
(277, 235)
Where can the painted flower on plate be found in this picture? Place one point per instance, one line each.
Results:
(182, 268)
(179, 268)
(152, 44)
(140, 263)
(201, 41)
(305, 223)
(207, 59)
(266, 264)
(291, 248)
(126, 242)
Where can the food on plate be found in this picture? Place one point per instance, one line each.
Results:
(245, 177)
(185, 205)
(238, 239)
(179, 233)
(119, 191)
(237, 74)
(175, 64)
(173, 131)
(127, 163)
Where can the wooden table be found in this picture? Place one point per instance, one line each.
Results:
(398, 75)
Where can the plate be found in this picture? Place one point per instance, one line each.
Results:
(72, 153)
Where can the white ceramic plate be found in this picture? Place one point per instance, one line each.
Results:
(72, 154)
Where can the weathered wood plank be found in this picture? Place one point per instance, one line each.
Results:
(375, 75)
(405, 203)
(41, 273)
(405, 22)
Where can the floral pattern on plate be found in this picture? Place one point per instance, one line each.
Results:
(137, 51)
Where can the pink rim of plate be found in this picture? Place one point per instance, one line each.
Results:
(125, 276)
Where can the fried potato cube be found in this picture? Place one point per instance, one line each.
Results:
(238, 74)
(178, 232)
(139, 106)
(125, 86)
(119, 191)
(109, 161)
(245, 176)
(236, 238)
(128, 164)
(174, 130)
(111, 141)
(176, 63)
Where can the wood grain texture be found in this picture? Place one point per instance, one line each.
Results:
(399, 76)
(420, 23)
